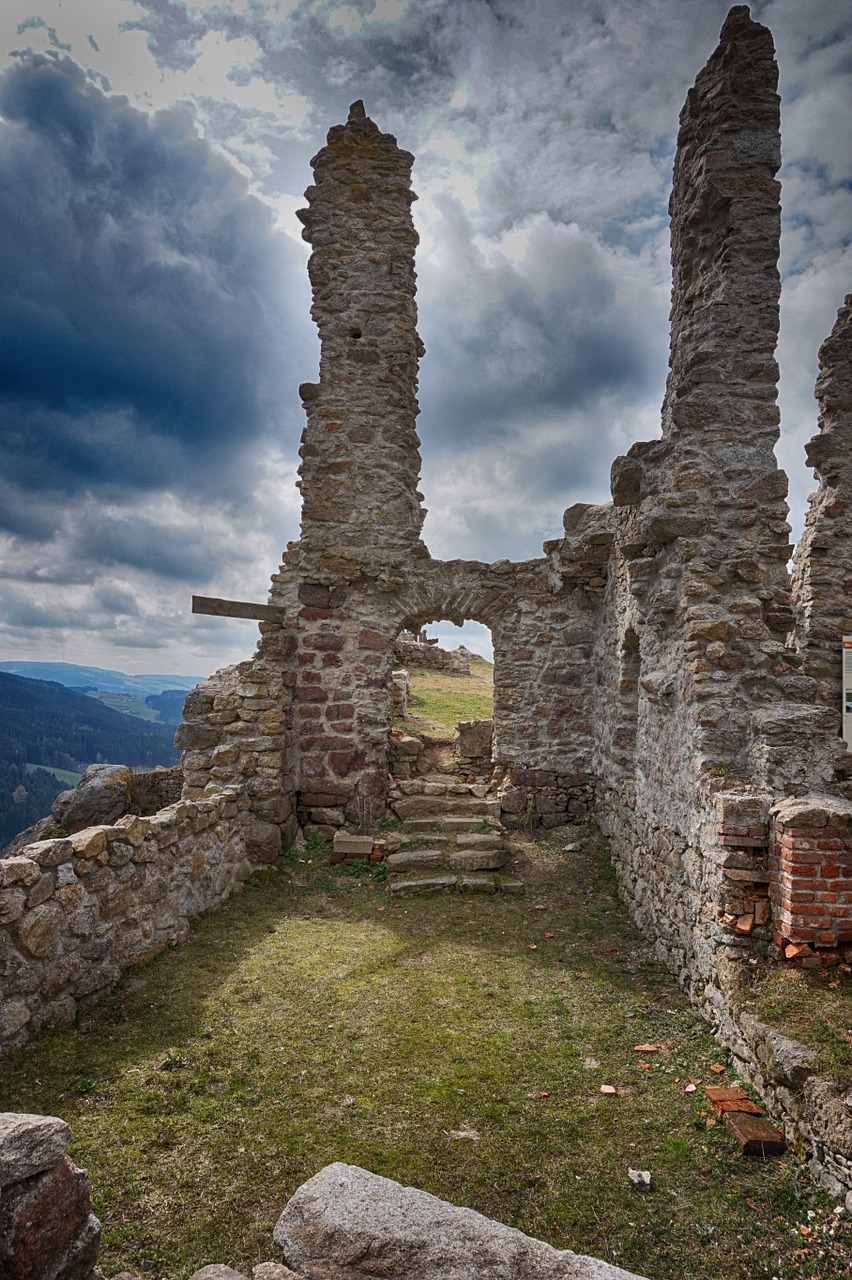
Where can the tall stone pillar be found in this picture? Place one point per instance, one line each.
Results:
(360, 451)
(701, 712)
(361, 512)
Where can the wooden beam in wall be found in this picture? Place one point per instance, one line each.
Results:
(217, 608)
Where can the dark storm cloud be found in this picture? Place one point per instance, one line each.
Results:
(142, 303)
(142, 543)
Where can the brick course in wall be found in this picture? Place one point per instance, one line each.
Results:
(810, 865)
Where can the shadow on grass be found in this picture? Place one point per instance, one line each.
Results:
(315, 1017)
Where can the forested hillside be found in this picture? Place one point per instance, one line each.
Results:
(168, 705)
(46, 724)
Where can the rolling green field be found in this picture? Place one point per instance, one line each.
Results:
(64, 775)
(132, 704)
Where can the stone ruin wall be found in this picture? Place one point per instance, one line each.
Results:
(419, 654)
(643, 667)
(77, 912)
(656, 665)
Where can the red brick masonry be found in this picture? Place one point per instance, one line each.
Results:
(810, 869)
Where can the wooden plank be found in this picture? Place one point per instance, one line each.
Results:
(755, 1134)
(216, 608)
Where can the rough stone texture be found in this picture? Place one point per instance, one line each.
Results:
(47, 1228)
(235, 732)
(102, 795)
(472, 746)
(30, 1144)
(154, 789)
(411, 652)
(704, 715)
(822, 579)
(80, 911)
(400, 689)
(216, 1271)
(348, 1224)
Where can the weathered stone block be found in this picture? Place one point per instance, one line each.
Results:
(12, 904)
(19, 870)
(477, 860)
(414, 860)
(40, 929)
(353, 1224)
(423, 884)
(29, 1144)
(352, 846)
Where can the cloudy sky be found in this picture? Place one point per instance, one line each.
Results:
(154, 299)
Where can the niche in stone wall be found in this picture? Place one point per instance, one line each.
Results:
(627, 709)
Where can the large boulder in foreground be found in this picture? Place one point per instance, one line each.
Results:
(348, 1224)
(101, 796)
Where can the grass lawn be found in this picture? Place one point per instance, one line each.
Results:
(438, 699)
(813, 1006)
(315, 1018)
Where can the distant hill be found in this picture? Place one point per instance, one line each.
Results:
(168, 705)
(73, 676)
(47, 725)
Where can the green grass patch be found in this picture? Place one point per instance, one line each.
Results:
(439, 699)
(813, 1006)
(64, 775)
(316, 1018)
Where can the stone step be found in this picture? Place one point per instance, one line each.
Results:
(454, 824)
(416, 860)
(404, 886)
(466, 882)
(439, 784)
(477, 860)
(479, 840)
(476, 884)
(445, 806)
(425, 832)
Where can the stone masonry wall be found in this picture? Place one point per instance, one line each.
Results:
(699, 697)
(410, 653)
(822, 579)
(77, 912)
(235, 732)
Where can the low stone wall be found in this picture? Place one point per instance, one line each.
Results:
(76, 912)
(706, 897)
(47, 1228)
(542, 797)
(154, 789)
(472, 747)
(815, 1112)
(410, 653)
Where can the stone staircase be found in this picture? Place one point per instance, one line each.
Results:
(451, 839)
